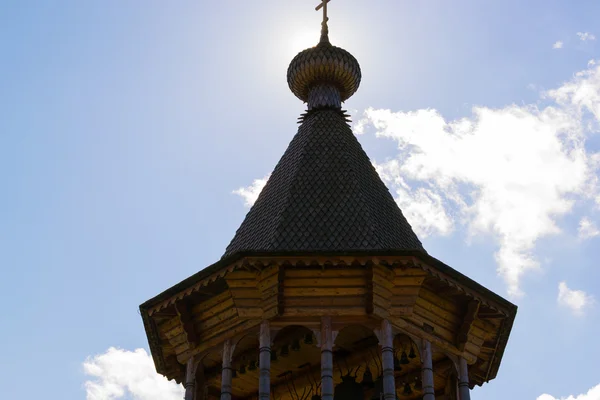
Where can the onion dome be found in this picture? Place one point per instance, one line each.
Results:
(324, 75)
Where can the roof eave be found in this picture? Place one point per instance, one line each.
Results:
(152, 332)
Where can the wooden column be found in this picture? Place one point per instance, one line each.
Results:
(201, 389)
(326, 359)
(463, 380)
(264, 361)
(427, 370)
(387, 357)
(226, 371)
(190, 379)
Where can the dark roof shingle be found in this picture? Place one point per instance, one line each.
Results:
(324, 195)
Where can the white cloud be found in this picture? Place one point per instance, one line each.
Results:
(592, 394)
(122, 374)
(558, 45)
(577, 300)
(582, 93)
(507, 172)
(587, 229)
(250, 193)
(583, 36)
(423, 207)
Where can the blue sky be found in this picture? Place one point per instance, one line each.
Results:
(126, 127)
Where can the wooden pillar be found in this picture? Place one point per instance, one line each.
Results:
(226, 371)
(427, 371)
(264, 361)
(201, 389)
(387, 357)
(326, 359)
(463, 380)
(190, 379)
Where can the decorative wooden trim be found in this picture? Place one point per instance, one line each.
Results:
(194, 288)
(460, 288)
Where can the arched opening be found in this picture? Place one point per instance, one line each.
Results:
(295, 364)
(357, 363)
(407, 367)
(208, 366)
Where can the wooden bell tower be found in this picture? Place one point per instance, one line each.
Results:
(325, 292)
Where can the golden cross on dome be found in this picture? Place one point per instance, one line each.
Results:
(323, 5)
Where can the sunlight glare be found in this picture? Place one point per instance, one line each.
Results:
(303, 39)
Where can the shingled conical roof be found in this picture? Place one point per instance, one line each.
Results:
(324, 194)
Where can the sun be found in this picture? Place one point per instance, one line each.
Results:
(303, 39)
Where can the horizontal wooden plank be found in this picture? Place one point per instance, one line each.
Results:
(269, 292)
(248, 313)
(439, 330)
(219, 328)
(203, 325)
(253, 293)
(269, 302)
(269, 313)
(479, 333)
(399, 272)
(424, 313)
(454, 318)
(381, 301)
(382, 292)
(268, 284)
(383, 281)
(337, 291)
(446, 304)
(324, 273)
(206, 342)
(381, 312)
(178, 341)
(338, 301)
(174, 331)
(401, 311)
(248, 303)
(324, 282)
(331, 311)
(269, 273)
(214, 304)
(166, 326)
(477, 341)
(408, 280)
(404, 300)
(243, 283)
(405, 290)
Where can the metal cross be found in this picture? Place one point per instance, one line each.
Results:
(323, 5)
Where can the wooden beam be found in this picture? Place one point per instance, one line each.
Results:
(404, 326)
(462, 337)
(186, 321)
(491, 315)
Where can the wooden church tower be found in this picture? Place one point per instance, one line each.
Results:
(325, 292)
